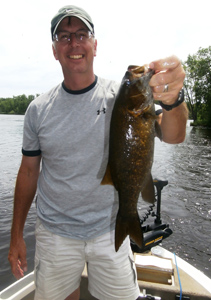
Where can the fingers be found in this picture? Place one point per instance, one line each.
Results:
(168, 71)
(177, 84)
(18, 271)
(169, 76)
(170, 62)
(18, 262)
(18, 267)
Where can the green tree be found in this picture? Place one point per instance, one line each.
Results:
(198, 86)
(15, 105)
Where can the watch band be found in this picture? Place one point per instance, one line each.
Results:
(180, 99)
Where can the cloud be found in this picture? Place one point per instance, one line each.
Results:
(128, 32)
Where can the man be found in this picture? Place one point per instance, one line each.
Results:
(68, 130)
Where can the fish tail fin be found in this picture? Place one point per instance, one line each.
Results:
(130, 226)
(158, 131)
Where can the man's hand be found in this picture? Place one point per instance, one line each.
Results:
(25, 189)
(168, 79)
(17, 258)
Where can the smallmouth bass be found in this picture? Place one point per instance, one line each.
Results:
(131, 148)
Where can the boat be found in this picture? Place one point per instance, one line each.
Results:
(161, 274)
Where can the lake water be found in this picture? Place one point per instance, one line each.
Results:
(186, 200)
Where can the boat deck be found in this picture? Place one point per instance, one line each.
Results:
(156, 280)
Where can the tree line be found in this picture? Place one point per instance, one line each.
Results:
(16, 105)
(197, 87)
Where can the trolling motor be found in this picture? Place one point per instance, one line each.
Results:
(153, 234)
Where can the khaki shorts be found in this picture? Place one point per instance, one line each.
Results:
(59, 263)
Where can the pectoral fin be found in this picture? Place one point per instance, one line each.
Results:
(158, 131)
(148, 192)
(107, 177)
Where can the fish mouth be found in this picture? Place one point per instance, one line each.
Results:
(137, 69)
(134, 73)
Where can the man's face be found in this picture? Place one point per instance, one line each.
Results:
(75, 57)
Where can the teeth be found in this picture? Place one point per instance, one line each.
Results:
(76, 56)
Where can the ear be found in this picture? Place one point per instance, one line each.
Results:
(95, 48)
(54, 51)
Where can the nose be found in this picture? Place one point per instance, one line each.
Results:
(73, 40)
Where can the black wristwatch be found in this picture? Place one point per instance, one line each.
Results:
(180, 99)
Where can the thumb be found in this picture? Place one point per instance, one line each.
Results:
(23, 263)
(22, 259)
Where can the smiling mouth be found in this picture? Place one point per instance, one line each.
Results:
(76, 56)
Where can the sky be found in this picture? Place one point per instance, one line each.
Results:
(128, 32)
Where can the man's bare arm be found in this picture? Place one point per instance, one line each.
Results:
(25, 190)
(173, 124)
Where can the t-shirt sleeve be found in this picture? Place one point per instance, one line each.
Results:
(31, 146)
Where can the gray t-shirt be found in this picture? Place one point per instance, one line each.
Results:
(71, 131)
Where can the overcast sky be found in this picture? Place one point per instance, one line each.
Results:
(128, 32)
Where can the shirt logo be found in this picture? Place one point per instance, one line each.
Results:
(101, 111)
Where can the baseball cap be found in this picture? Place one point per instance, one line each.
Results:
(71, 11)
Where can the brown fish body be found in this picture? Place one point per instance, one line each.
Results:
(132, 131)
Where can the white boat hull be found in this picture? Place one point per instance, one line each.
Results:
(162, 283)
